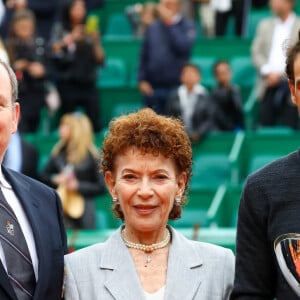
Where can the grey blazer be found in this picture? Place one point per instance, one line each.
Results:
(262, 43)
(106, 271)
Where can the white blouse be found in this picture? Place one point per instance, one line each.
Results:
(158, 295)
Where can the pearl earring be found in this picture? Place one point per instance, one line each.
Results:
(115, 200)
(177, 201)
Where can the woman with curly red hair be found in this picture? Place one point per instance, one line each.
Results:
(146, 162)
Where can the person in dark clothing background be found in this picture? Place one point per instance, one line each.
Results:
(27, 57)
(75, 55)
(45, 13)
(227, 98)
(166, 47)
(192, 104)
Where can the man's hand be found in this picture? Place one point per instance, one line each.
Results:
(146, 88)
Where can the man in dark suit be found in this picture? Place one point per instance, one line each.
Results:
(268, 213)
(33, 214)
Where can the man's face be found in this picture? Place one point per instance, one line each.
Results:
(9, 114)
(281, 7)
(172, 5)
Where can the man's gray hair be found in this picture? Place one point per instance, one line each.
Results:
(13, 81)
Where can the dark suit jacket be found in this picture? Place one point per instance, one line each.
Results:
(43, 209)
(203, 119)
(269, 208)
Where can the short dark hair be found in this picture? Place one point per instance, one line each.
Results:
(219, 62)
(13, 81)
(191, 65)
(292, 53)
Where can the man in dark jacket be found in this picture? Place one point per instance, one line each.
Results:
(227, 98)
(191, 103)
(166, 47)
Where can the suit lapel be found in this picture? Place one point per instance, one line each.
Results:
(184, 269)
(30, 206)
(123, 281)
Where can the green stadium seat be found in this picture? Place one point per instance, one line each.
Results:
(111, 97)
(113, 74)
(118, 25)
(195, 211)
(210, 169)
(260, 148)
(224, 208)
(205, 64)
(104, 213)
(125, 108)
(243, 71)
(254, 19)
(211, 160)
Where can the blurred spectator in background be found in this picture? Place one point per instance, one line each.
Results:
(3, 52)
(268, 53)
(259, 3)
(45, 12)
(227, 98)
(93, 4)
(73, 168)
(166, 47)
(22, 156)
(27, 54)
(238, 9)
(76, 53)
(192, 104)
(141, 15)
(206, 14)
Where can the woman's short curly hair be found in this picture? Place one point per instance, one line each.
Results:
(149, 133)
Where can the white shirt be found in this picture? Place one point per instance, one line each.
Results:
(277, 56)
(158, 295)
(188, 101)
(15, 204)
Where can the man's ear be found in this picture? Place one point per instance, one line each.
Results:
(293, 92)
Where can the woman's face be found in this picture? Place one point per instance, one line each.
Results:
(24, 28)
(64, 131)
(146, 186)
(77, 12)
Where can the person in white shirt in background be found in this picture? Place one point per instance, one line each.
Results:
(192, 104)
(272, 38)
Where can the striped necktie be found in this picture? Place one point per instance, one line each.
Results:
(17, 257)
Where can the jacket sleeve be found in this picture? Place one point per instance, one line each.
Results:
(258, 50)
(182, 36)
(255, 271)
(205, 120)
(143, 59)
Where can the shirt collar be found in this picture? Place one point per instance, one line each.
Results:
(3, 181)
(289, 21)
(176, 19)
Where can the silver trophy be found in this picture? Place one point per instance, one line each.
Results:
(287, 250)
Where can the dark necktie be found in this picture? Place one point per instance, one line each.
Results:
(18, 260)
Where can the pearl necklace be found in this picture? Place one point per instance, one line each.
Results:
(147, 248)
